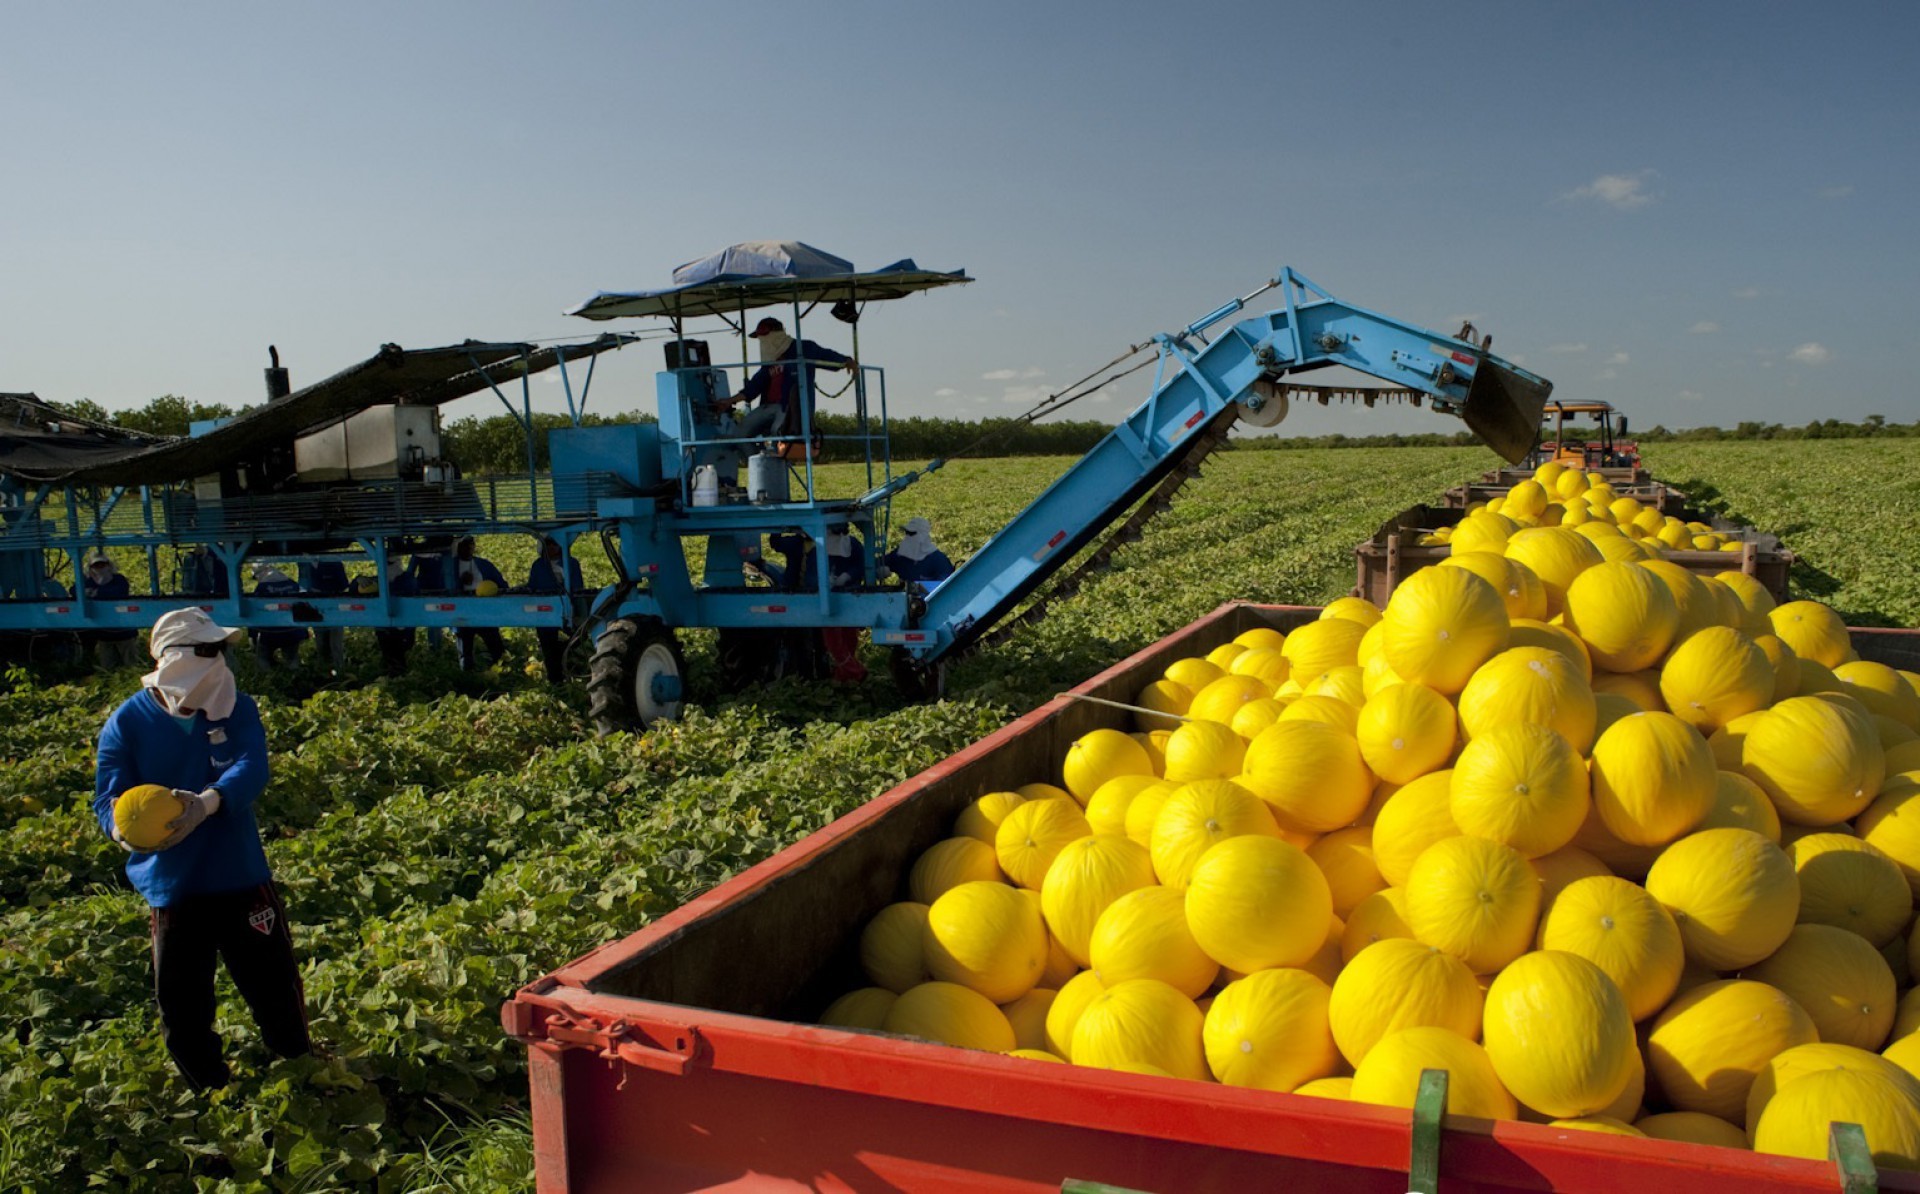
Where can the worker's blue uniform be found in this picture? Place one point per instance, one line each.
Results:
(544, 577)
(278, 641)
(328, 578)
(395, 641)
(478, 569)
(928, 570)
(114, 588)
(212, 895)
(797, 550)
(779, 384)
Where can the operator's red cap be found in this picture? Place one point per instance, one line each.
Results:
(769, 324)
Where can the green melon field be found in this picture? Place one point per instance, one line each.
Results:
(444, 838)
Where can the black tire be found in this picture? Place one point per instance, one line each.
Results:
(624, 686)
(917, 681)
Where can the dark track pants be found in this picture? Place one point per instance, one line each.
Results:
(490, 635)
(248, 930)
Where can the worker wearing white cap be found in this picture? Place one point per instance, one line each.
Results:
(207, 883)
(104, 583)
(917, 560)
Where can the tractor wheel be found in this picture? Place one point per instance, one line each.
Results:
(637, 677)
(917, 681)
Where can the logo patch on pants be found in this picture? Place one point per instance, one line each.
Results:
(260, 920)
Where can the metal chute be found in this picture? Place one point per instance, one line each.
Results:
(1503, 408)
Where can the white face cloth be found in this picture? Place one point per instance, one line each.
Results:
(915, 545)
(839, 546)
(772, 345)
(183, 681)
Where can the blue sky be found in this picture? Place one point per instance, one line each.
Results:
(1700, 212)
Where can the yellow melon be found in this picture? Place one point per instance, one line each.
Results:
(1390, 1073)
(1380, 916)
(1476, 899)
(1405, 731)
(1798, 1120)
(1311, 775)
(951, 1014)
(1269, 1031)
(1557, 555)
(1624, 615)
(141, 815)
(1032, 835)
(1257, 902)
(1520, 784)
(1732, 892)
(1714, 677)
(1653, 778)
(1141, 1022)
(1087, 876)
(1851, 884)
(1558, 1033)
(1530, 684)
(1819, 763)
(1707, 1046)
(1413, 818)
(1838, 979)
(1814, 632)
(1441, 625)
(893, 947)
(1622, 929)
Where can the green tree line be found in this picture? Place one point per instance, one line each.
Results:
(496, 445)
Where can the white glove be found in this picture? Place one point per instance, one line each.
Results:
(120, 841)
(194, 808)
(882, 572)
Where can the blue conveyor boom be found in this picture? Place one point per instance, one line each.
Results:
(1204, 382)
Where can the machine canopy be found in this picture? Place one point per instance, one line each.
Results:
(765, 273)
(39, 443)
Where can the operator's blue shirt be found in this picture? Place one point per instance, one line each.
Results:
(543, 577)
(116, 588)
(780, 382)
(143, 744)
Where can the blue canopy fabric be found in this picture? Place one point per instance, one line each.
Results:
(757, 274)
(762, 259)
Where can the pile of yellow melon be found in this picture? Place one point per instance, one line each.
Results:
(1621, 526)
(1619, 847)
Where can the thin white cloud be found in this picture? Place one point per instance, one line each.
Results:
(1622, 191)
(1606, 375)
(1618, 358)
(1690, 395)
(1748, 292)
(1566, 348)
(1013, 374)
(1705, 327)
(1811, 353)
(946, 392)
(1837, 191)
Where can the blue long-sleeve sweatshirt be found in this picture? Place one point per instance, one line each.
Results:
(144, 744)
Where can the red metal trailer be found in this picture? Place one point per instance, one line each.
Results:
(682, 1057)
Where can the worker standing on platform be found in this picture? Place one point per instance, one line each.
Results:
(104, 583)
(395, 641)
(327, 578)
(208, 884)
(554, 572)
(280, 643)
(846, 569)
(470, 574)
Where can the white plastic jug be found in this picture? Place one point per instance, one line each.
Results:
(706, 486)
